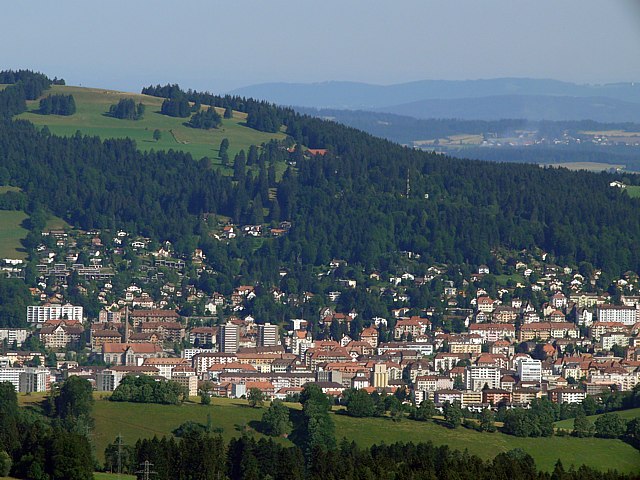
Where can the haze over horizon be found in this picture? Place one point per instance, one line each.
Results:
(223, 46)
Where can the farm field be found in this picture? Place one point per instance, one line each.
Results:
(625, 414)
(135, 421)
(90, 119)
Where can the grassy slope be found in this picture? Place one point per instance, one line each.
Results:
(11, 232)
(625, 414)
(134, 421)
(89, 118)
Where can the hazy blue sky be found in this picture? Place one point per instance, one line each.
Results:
(220, 45)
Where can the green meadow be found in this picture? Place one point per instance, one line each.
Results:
(11, 233)
(135, 421)
(90, 119)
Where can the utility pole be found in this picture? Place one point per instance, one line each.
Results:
(408, 186)
(146, 472)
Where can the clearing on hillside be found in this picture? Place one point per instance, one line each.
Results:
(11, 234)
(93, 103)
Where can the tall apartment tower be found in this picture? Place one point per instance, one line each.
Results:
(229, 338)
(267, 335)
(380, 375)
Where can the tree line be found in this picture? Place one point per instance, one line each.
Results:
(23, 85)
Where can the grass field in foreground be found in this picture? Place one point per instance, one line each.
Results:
(625, 414)
(135, 421)
(92, 103)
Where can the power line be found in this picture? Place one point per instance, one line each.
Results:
(146, 472)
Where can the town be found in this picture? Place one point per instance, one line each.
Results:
(503, 335)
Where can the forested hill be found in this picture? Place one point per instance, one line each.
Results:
(350, 203)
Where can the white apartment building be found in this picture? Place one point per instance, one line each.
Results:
(229, 338)
(17, 335)
(40, 314)
(165, 366)
(11, 375)
(570, 395)
(479, 376)
(189, 353)
(608, 340)
(617, 313)
(623, 382)
(529, 369)
(202, 361)
(37, 379)
(268, 335)
(27, 379)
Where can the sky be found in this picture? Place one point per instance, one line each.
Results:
(220, 45)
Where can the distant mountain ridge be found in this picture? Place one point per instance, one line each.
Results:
(588, 101)
(530, 107)
(337, 94)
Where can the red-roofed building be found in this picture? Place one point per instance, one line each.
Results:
(370, 335)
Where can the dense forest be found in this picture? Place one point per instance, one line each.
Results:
(57, 105)
(126, 109)
(406, 130)
(351, 203)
